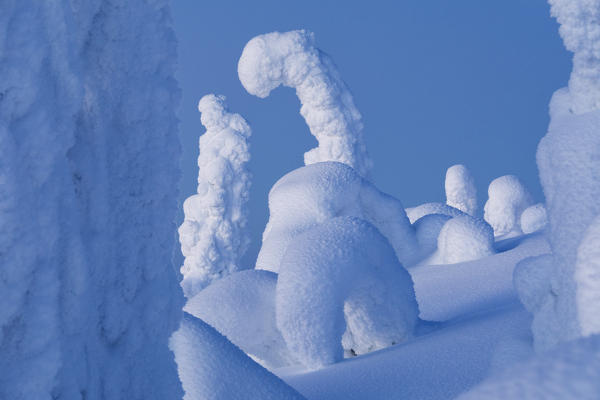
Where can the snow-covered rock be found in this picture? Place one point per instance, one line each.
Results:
(313, 194)
(241, 306)
(461, 192)
(534, 218)
(418, 212)
(507, 199)
(428, 230)
(464, 238)
(212, 368)
(213, 235)
(291, 59)
(340, 286)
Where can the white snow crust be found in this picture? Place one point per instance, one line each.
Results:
(213, 235)
(507, 199)
(461, 192)
(418, 212)
(428, 230)
(341, 286)
(291, 59)
(464, 238)
(587, 280)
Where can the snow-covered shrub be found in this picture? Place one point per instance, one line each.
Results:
(291, 59)
(465, 238)
(534, 218)
(213, 236)
(531, 278)
(313, 194)
(507, 199)
(89, 159)
(415, 213)
(569, 372)
(340, 286)
(587, 280)
(212, 368)
(428, 230)
(241, 306)
(461, 192)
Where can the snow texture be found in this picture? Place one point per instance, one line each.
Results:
(461, 192)
(465, 238)
(88, 170)
(241, 306)
(212, 368)
(213, 235)
(569, 372)
(587, 280)
(291, 59)
(507, 199)
(418, 212)
(340, 287)
(313, 194)
(428, 230)
(534, 218)
(580, 29)
(531, 278)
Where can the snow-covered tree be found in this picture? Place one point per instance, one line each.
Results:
(507, 199)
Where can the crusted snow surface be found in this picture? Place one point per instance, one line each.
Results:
(464, 238)
(342, 279)
(241, 306)
(587, 280)
(213, 235)
(211, 367)
(461, 192)
(315, 193)
(428, 229)
(291, 59)
(418, 212)
(569, 372)
(507, 199)
(534, 218)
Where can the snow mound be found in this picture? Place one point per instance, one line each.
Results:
(465, 238)
(569, 372)
(534, 218)
(418, 212)
(291, 59)
(213, 236)
(340, 287)
(315, 193)
(428, 230)
(461, 192)
(241, 306)
(211, 367)
(587, 279)
(531, 278)
(507, 199)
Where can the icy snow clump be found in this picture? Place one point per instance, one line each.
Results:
(507, 199)
(315, 193)
(213, 235)
(460, 189)
(241, 306)
(415, 213)
(465, 238)
(212, 368)
(341, 286)
(291, 59)
(534, 218)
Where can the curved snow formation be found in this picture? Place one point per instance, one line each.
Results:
(465, 238)
(428, 230)
(507, 199)
(88, 194)
(213, 235)
(291, 59)
(461, 192)
(531, 278)
(534, 218)
(340, 286)
(212, 368)
(315, 193)
(569, 372)
(241, 306)
(415, 213)
(587, 280)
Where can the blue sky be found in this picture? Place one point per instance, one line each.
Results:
(438, 82)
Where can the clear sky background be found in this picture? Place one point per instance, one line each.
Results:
(438, 82)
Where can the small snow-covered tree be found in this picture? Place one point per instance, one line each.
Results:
(213, 235)
(460, 189)
(291, 59)
(507, 199)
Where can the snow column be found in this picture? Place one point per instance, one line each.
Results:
(213, 235)
(88, 171)
(568, 159)
(291, 59)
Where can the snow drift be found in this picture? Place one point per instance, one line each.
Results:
(213, 235)
(340, 287)
(291, 59)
